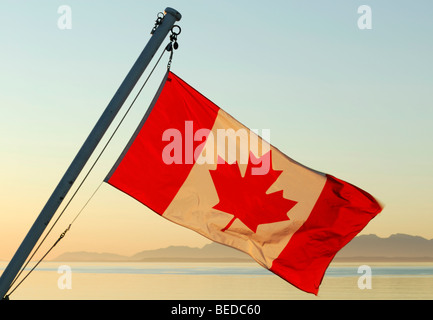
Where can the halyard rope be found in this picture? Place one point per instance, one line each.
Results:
(169, 48)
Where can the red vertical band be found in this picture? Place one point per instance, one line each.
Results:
(142, 173)
(340, 213)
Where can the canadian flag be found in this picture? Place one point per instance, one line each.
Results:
(194, 164)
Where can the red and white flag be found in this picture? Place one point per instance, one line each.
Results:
(194, 164)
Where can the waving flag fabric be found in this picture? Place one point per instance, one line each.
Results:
(194, 164)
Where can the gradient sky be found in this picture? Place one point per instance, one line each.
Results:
(353, 103)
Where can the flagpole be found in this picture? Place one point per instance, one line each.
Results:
(83, 155)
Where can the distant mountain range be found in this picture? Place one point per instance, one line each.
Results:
(400, 247)
(212, 252)
(397, 247)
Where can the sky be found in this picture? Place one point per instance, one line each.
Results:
(355, 103)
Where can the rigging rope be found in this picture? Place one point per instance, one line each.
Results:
(171, 45)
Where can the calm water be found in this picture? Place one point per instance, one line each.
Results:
(169, 281)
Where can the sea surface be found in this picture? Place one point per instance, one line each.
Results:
(220, 281)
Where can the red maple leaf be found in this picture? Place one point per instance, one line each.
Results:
(246, 198)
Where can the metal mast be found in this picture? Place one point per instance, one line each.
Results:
(83, 155)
